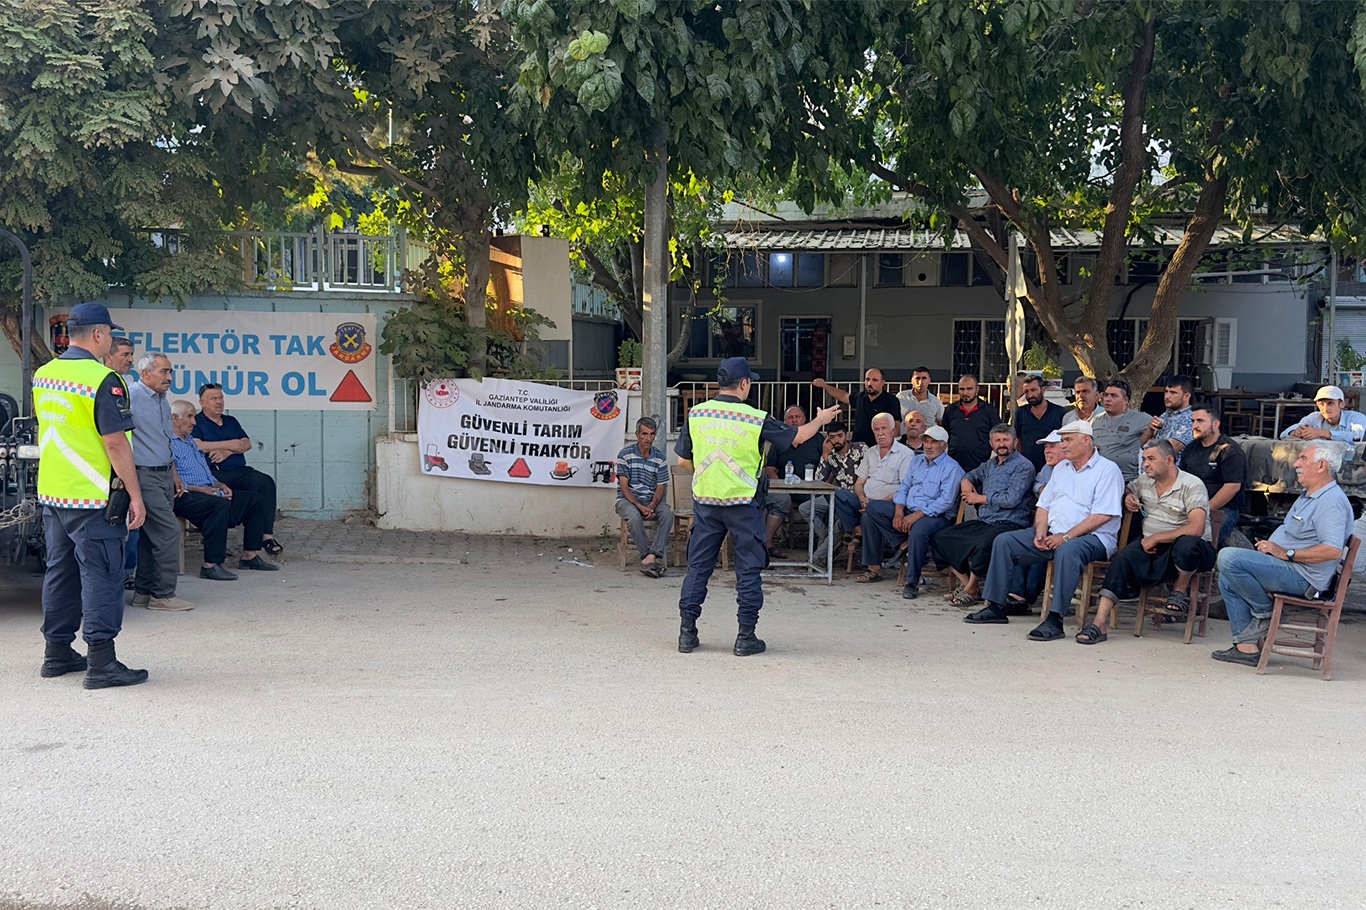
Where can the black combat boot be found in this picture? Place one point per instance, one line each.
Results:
(746, 644)
(687, 636)
(59, 659)
(105, 670)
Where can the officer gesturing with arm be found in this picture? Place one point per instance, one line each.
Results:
(722, 442)
(89, 490)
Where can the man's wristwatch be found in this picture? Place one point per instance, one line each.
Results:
(1066, 538)
(1290, 555)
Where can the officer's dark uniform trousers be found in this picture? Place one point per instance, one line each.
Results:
(84, 577)
(711, 524)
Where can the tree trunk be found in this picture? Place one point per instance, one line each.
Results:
(475, 250)
(655, 290)
(12, 324)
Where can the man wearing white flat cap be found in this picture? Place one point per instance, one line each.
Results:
(1333, 420)
(1077, 522)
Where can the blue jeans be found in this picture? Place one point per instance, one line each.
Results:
(878, 532)
(1015, 550)
(1230, 522)
(847, 510)
(1249, 581)
(918, 546)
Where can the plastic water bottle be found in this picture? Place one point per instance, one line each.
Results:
(790, 476)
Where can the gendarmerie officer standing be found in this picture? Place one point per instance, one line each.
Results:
(721, 441)
(84, 419)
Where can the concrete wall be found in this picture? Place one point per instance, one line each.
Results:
(595, 348)
(911, 326)
(323, 462)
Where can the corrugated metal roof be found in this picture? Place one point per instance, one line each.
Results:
(900, 240)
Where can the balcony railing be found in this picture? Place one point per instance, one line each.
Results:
(321, 260)
(587, 300)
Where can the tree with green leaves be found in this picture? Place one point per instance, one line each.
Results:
(654, 91)
(1100, 117)
(92, 155)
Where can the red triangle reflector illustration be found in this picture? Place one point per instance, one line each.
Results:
(519, 469)
(350, 389)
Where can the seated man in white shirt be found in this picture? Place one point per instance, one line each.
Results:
(1077, 522)
(1331, 421)
(879, 476)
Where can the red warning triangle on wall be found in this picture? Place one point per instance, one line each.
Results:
(519, 469)
(350, 389)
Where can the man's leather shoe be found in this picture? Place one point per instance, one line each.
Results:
(216, 572)
(1234, 656)
(111, 675)
(746, 644)
(169, 604)
(687, 639)
(60, 659)
(991, 613)
(910, 592)
(258, 563)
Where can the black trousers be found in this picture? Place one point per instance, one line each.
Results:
(967, 547)
(253, 481)
(213, 515)
(1133, 568)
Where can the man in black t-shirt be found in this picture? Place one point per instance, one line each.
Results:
(873, 400)
(1220, 464)
(969, 423)
(1034, 421)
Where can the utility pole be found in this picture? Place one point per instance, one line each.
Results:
(655, 325)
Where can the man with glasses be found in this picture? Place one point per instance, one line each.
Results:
(224, 443)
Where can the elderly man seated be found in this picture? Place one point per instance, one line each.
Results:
(913, 427)
(1000, 489)
(1299, 559)
(642, 484)
(924, 504)
(212, 506)
(1333, 420)
(1077, 521)
(880, 474)
(1175, 540)
(223, 441)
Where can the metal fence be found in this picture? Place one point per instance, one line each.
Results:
(320, 260)
(773, 397)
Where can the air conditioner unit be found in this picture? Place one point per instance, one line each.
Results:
(921, 271)
(1217, 341)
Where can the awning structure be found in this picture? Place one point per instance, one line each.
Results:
(904, 240)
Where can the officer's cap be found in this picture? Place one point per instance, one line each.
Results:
(85, 314)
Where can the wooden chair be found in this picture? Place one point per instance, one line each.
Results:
(624, 542)
(1094, 571)
(1319, 649)
(680, 500)
(1202, 588)
(929, 571)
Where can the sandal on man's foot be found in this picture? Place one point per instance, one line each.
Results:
(869, 577)
(1048, 630)
(1177, 606)
(651, 569)
(962, 598)
(272, 546)
(1091, 635)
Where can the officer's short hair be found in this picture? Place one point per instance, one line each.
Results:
(83, 332)
(149, 359)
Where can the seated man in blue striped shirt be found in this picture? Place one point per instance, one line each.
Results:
(642, 484)
(213, 506)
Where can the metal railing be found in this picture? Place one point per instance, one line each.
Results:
(587, 300)
(773, 397)
(321, 260)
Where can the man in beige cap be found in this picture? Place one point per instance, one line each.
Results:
(1333, 420)
(1077, 522)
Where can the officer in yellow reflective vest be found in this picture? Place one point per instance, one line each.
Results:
(721, 441)
(83, 423)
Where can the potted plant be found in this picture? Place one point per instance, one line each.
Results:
(629, 372)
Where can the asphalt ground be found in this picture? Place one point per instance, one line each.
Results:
(525, 734)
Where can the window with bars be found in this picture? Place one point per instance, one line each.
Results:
(979, 348)
(727, 331)
(1125, 336)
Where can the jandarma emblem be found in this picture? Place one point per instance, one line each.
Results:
(605, 405)
(350, 346)
(441, 393)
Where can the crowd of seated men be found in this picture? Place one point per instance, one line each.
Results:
(1054, 486)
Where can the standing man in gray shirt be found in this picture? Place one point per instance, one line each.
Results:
(154, 584)
(1119, 430)
(1299, 559)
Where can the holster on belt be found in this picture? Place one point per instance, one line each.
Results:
(116, 512)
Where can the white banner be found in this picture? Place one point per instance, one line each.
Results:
(520, 432)
(265, 361)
